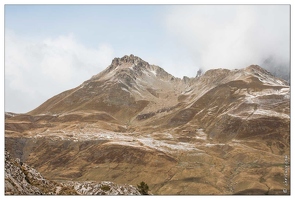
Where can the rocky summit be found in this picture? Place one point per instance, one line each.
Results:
(220, 132)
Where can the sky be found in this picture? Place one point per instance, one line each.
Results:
(53, 48)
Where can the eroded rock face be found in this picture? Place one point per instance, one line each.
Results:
(21, 179)
(15, 178)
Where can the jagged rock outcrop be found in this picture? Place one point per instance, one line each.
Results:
(21, 179)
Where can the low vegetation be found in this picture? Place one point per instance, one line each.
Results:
(143, 188)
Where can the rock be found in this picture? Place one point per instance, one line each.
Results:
(21, 179)
(102, 188)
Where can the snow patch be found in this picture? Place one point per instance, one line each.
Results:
(280, 82)
(162, 146)
(125, 89)
(138, 93)
(271, 113)
(123, 83)
(210, 144)
(188, 91)
(201, 135)
(154, 72)
(132, 66)
(252, 98)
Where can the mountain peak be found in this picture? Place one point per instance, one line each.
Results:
(131, 59)
(134, 67)
(121, 64)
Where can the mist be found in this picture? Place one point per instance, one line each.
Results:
(234, 36)
(42, 61)
(37, 70)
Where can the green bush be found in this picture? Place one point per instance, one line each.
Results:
(105, 187)
(143, 188)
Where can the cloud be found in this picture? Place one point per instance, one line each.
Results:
(232, 36)
(35, 70)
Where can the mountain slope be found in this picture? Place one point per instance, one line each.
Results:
(128, 86)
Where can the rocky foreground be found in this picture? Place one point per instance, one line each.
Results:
(21, 179)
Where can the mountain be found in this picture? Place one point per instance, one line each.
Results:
(126, 88)
(221, 132)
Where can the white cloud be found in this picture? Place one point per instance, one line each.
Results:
(231, 36)
(35, 70)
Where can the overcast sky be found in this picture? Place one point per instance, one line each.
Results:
(52, 48)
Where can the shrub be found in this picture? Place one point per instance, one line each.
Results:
(105, 187)
(143, 188)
